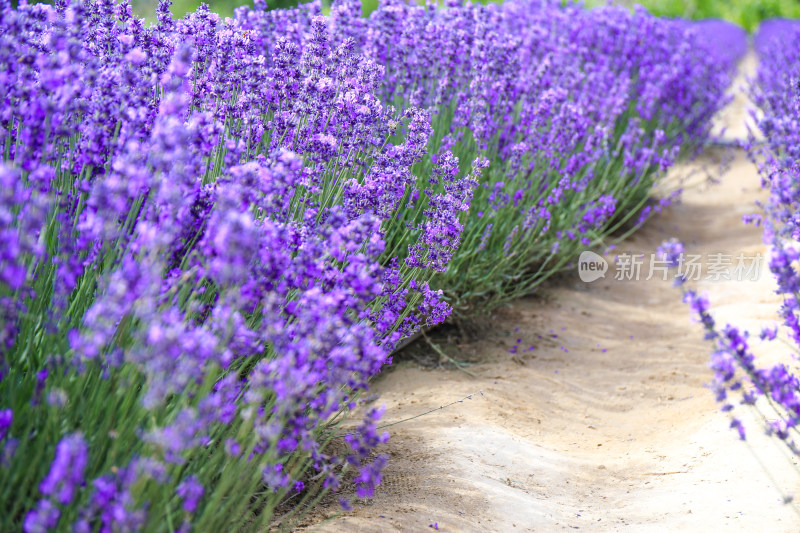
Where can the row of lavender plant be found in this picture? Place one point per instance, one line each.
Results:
(743, 381)
(216, 231)
(577, 113)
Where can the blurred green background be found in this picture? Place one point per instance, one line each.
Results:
(745, 13)
(147, 8)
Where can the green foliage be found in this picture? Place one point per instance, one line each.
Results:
(147, 8)
(518, 256)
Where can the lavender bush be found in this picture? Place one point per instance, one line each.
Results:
(192, 281)
(728, 42)
(216, 231)
(575, 112)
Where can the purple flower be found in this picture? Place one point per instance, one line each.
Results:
(698, 304)
(598, 213)
(111, 502)
(233, 448)
(365, 437)
(7, 451)
(769, 333)
(57, 398)
(275, 477)
(671, 251)
(737, 424)
(6, 417)
(191, 491)
(41, 379)
(369, 476)
(67, 469)
(44, 517)
(433, 307)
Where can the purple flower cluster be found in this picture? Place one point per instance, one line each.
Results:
(585, 126)
(44, 517)
(361, 443)
(111, 503)
(190, 491)
(727, 41)
(738, 373)
(66, 472)
(66, 476)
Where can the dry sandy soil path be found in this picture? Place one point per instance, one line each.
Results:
(607, 425)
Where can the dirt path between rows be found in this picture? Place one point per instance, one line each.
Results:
(607, 425)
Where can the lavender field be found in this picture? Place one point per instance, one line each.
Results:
(309, 269)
